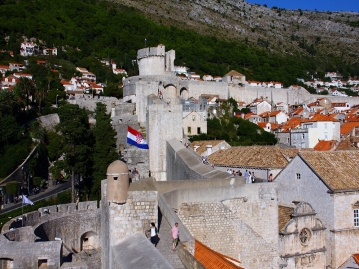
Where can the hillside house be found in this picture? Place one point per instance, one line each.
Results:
(277, 85)
(22, 75)
(181, 70)
(254, 83)
(207, 78)
(321, 127)
(265, 125)
(329, 181)
(27, 48)
(4, 69)
(277, 117)
(281, 106)
(16, 67)
(118, 71)
(69, 87)
(259, 106)
(234, 77)
(50, 51)
(194, 123)
(9, 81)
(340, 106)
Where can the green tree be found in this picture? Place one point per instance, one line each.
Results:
(105, 148)
(24, 89)
(75, 128)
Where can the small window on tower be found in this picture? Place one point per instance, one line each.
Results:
(297, 175)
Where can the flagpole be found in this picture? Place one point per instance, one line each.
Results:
(22, 210)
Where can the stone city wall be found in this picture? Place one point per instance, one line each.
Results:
(183, 163)
(34, 217)
(89, 102)
(30, 255)
(226, 90)
(164, 122)
(205, 218)
(72, 228)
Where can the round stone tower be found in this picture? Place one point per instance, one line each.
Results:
(117, 182)
(151, 61)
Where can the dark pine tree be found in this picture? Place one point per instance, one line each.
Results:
(104, 149)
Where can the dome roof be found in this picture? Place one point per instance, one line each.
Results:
(117, 167)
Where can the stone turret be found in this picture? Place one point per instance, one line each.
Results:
(117, 182)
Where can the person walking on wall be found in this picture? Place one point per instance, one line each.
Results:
(270, 179)
(246, 175)
(154, 234)
(175, 235)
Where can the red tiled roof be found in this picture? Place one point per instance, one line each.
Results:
(348, 127)
(324, 145)
(321, 117)
(262, 124)
(356, 258)
(298, 111)
(211, 259)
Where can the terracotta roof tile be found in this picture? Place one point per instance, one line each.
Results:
(233, 73)
(203, 143)
(338, 169)
(211, 259)
(356, 258)
(324, 145)
(348, 127)
(284, 215)
(253, 156)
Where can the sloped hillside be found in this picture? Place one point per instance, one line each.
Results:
(287, 31)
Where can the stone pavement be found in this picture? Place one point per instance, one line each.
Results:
(165, 244)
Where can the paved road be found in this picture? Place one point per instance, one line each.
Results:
(46, 193)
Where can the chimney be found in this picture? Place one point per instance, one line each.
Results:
(209, 149)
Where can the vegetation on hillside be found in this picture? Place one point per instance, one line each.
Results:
(118, 31)
(236, 131)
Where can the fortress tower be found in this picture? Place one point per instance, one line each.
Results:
(155, 61)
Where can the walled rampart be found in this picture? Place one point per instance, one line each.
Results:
(211, 215)
(44, 213)
(88, 102)
(164, 122)
(183, 163)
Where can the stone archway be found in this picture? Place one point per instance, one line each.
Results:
(169, 93)
(90, 240)
(184, 93)
(6, 263)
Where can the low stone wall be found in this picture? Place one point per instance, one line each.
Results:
(187, 258)
(34, 217)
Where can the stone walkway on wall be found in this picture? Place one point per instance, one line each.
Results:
(165, 245)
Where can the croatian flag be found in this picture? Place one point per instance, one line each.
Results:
(26, 201)
(135, 138)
